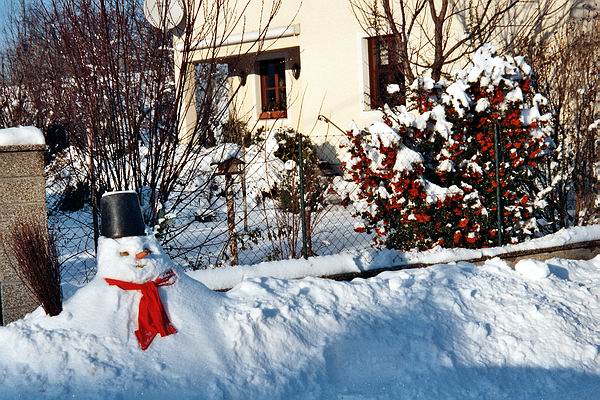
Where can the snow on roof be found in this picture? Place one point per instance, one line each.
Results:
(22, 135)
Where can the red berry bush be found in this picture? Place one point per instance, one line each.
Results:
(426, 175)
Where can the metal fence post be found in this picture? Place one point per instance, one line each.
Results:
(302, 200)
(498, 189)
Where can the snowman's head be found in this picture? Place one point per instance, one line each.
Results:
(133, 259)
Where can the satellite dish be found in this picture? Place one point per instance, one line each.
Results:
(164, 14)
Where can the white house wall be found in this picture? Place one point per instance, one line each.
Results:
(334, 72)
(326, 39)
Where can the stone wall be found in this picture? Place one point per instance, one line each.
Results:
(22, 193)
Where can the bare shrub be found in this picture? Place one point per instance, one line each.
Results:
(568, 72)
(140, 105)
(299, 196)
(37, 262)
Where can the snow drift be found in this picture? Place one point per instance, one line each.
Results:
(451, 331)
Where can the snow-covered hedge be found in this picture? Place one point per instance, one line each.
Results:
(425, 176)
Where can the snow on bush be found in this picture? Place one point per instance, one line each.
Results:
(425, 176)
(284, 229)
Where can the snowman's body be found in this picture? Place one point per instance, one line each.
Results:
(102, 309)
(106, 310)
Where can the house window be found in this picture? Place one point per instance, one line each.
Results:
(384, 69)
(272, 89)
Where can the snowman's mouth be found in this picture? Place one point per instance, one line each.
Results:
(139, 266)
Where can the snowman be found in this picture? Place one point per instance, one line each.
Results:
(133, 261)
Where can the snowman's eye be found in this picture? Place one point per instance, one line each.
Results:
(124, 253)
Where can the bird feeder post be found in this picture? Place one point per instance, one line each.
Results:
(233, 250)
(229, 168)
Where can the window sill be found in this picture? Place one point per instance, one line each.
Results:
(273, 115)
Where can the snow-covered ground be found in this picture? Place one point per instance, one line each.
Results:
(453, 331)
(357, 261)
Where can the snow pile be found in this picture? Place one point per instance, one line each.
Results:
(466, 332)
(223, 152)
(23, 135)
(263, 169)
(532, 269)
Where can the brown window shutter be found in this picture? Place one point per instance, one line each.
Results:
(373, 72)
(381, 74)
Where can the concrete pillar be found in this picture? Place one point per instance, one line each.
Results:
(185, 79)
(22, 193)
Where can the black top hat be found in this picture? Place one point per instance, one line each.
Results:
(121, 215)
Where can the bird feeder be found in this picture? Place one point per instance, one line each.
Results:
(229, 168)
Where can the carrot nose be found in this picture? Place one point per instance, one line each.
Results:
(142, 254)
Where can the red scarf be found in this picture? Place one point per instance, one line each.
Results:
(152, 318)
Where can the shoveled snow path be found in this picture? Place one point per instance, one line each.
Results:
(446, 332)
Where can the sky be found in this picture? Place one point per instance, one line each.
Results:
(7, 7)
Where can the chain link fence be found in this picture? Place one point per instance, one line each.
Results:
(250, 216)
(288, 196)
(255, 213)
(70, 222)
